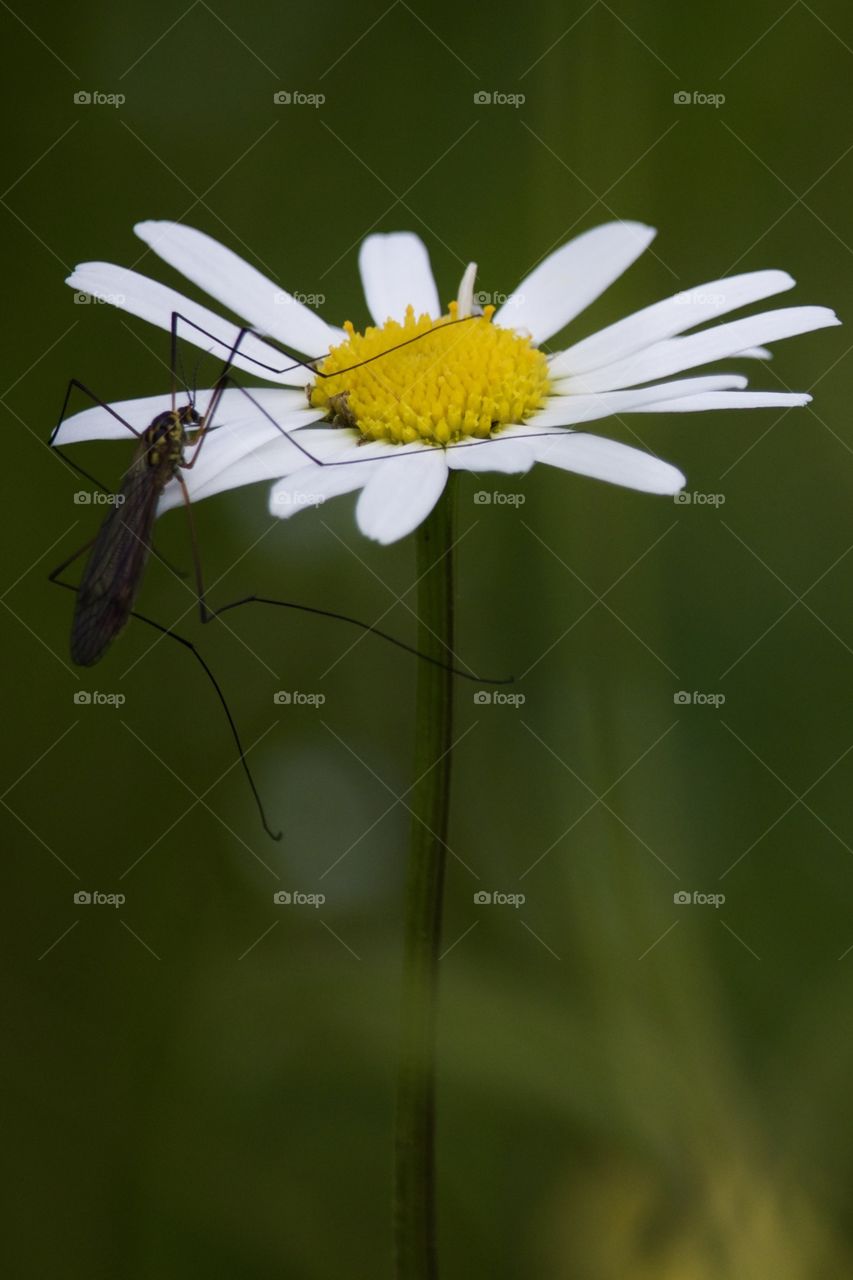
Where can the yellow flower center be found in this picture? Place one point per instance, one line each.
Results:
(458, 380)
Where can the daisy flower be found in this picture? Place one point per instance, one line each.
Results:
(478, 396)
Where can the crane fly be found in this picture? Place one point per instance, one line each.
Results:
(119, 552)
(113, 574)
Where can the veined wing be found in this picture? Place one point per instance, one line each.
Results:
(114, 570)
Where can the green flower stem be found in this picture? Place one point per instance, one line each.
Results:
(414, 1203)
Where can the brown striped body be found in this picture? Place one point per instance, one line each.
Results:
(116, 563)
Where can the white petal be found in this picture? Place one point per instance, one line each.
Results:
(719, 343)
(222, 469)
(572, 277)
(465, 296)
(155, 303)
(98, 423)
(566, 410)
(609, 460)
(401, 493)
(396, 274)
(240, 287)
(662, 320)
(512, 457)
(313, 485)
(234, 443)
(730, 400)
(755, 353)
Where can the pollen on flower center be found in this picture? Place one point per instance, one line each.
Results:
(456, 380)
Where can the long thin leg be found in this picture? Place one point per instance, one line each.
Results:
(74, 382)
(102, 404)
(204, 613)
(208, 615)
(225, 381)
(81, 386)
(54, 574)
(363, 626)
(81, 471)
(179, 573)
(310, 365)
(187, 644)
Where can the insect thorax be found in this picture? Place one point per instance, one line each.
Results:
(167, 437)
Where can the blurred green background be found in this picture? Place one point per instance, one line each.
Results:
(201, 1082)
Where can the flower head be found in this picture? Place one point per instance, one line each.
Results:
(391, 411)
(463, 384)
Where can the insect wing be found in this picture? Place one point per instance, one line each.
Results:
(113, 572)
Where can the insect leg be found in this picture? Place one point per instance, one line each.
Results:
(208, 615)
(53, 576)
(187, 644)
(80, 386)
(310, 365)
(367, 627)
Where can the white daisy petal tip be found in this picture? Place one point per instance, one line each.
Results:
(715, 400)
(238, 285)
(674, 355)
(81, 281)
(600, 458)
(148, 228)
(400, 494)
(287, 499)
(669, 482)
(568, 280)
(156, 303)
(396, 274)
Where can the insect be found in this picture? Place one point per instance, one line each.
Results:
(118, 554)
